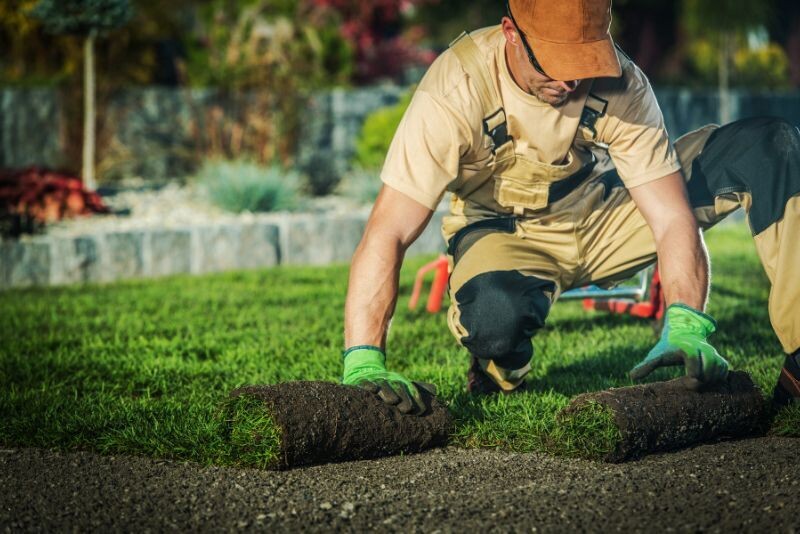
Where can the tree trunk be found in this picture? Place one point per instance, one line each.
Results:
(88, 114)
(726, 40)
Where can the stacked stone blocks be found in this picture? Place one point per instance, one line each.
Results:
(297, 239)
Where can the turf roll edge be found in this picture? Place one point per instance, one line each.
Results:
(302, 423)
(670, 415)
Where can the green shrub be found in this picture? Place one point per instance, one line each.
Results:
(762, 68)
(377, 132)
(239, 186)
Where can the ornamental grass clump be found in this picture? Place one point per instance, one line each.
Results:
(240, 186)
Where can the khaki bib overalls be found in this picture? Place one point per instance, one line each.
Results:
(523, 231)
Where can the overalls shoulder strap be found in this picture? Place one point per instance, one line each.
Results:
(595, 106)
(469, 55)
(471, 59)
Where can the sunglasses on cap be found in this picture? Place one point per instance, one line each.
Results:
(531, 57)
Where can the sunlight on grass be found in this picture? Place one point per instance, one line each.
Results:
(143, 367)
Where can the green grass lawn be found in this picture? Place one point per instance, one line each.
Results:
(143, 367)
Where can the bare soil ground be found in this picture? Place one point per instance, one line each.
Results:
(742, 486)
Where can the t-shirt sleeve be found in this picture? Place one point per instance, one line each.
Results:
(635, 133)
(424, 155)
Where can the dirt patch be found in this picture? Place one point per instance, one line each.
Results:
(735, 486)
(324, 422)
(669, 415)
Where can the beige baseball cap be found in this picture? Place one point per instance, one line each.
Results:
(570, 38)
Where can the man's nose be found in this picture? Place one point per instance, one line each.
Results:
(568, 85)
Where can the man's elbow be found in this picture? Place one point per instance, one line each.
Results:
(680, 226)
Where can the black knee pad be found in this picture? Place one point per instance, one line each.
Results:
(501, 311)
(759, 156)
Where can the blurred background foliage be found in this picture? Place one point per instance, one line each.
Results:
(253, 44)
(275, 54)
(377, 132)
(308, 44)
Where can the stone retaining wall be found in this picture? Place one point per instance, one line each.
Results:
(30, 128)
(154, 129)
(302, 239)
(160, 133)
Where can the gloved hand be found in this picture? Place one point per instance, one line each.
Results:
(683, 341)
(365, 366)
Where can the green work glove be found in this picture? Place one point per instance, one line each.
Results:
(683, 341)
(365, 366)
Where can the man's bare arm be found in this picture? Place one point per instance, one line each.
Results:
(682, 256)
(683, 264)
(395, 222)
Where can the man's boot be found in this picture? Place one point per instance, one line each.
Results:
(479, 383)
(787, 390)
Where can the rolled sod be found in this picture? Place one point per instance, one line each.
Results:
(637, 420)
(302, 423)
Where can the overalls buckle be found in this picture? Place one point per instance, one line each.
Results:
(496, 127)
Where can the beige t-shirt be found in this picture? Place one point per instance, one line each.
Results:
(440, 143)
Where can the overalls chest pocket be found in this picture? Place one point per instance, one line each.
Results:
(523, 183)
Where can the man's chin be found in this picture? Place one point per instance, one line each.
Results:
(553, 100)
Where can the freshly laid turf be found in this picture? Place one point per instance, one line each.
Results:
(144, 367)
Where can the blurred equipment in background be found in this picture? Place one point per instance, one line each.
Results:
(644, 300)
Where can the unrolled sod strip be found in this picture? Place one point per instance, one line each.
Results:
(302, 423)
(670, 415)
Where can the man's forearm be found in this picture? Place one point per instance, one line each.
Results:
(395, 222)
(372, 291)
(683, 264)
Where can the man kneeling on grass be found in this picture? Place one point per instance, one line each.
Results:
(562, 174)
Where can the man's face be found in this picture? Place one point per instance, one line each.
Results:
(546, 89)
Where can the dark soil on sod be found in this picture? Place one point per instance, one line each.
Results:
(322, 422)
(739, 486)
(665, 416)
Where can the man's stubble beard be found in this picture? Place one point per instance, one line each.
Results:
(554, 101)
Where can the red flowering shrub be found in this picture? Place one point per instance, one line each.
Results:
(32, 197)
(384, 45)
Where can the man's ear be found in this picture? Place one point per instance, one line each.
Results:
(509, 31)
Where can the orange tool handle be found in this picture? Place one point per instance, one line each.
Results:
(439, 286)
